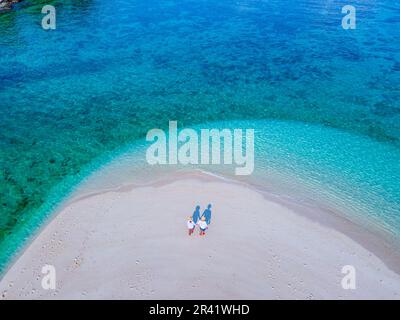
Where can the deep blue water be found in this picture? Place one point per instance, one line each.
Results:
(112, 70)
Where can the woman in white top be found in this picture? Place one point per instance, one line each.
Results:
(191, 225)
(203, 226)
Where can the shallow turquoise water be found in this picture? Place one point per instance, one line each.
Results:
(350, 174)
(113, 70)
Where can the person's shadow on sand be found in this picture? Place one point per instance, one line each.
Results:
(207, 214)
(196, 215)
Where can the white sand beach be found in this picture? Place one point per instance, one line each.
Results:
(132, 243)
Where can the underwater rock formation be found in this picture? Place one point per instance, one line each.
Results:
(6, 4)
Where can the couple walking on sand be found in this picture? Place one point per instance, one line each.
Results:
(202, 221)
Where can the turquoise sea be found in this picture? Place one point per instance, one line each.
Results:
(325, 102)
